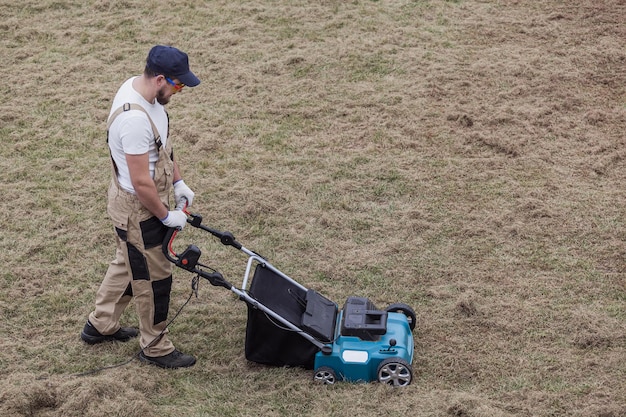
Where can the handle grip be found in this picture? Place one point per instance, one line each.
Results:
(182, 204)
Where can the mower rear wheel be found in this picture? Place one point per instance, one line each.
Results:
(395, 371)
(406, 310)
(325, 375)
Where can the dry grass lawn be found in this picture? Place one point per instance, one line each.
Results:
(466, 157)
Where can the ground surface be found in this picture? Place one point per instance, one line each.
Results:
(465, 157)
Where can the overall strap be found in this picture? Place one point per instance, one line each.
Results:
(134, 106)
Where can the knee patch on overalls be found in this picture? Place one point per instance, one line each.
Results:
(161, 291)
(137, 262)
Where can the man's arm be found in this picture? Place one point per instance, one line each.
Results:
(176, 176)
(139, 170)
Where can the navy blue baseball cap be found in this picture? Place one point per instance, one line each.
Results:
(171, 62)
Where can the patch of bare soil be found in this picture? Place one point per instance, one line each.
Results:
(74, 397)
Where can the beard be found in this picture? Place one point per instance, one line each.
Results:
(161, 97)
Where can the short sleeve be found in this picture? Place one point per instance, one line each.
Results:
(135, 133)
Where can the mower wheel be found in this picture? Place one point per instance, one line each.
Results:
(404, 309)
(325, 375)
(395, 371)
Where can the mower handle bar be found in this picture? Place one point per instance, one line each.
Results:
(195, 220)
(189, 258)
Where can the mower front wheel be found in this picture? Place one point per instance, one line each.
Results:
(325, 375)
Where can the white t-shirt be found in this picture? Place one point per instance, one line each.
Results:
(131, 132)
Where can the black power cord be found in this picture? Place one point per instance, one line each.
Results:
(194, 291)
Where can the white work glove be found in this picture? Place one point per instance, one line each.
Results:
(181, 190)
(175, 218)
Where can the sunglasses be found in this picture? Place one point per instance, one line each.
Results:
(177, 87)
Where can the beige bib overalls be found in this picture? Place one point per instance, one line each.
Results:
(140, 271)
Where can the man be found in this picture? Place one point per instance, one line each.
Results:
(144, 172)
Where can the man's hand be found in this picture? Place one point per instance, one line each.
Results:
(181, 190)
(175, 218)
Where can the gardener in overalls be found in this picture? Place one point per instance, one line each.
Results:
(144, 173)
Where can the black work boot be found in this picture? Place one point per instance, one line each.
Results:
(92, 336)
(176, 359)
